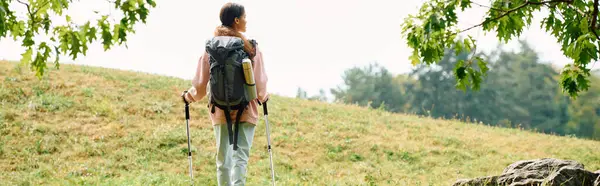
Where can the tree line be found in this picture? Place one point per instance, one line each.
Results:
(519, 90)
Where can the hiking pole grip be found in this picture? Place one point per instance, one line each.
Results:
(187, 109)
(265, 110)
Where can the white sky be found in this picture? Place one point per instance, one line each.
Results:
(306, 43)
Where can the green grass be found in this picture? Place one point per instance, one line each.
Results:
(86, 125)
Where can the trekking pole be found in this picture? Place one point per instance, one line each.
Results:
(269, 140)
(187, 122)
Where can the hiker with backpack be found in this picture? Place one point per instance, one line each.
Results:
(226, 67)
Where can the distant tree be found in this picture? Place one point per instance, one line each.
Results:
(585, 112)
(70, 39)
(527, 91)
(371, 86)
(434, 91)
(319, 97)
(300, 93)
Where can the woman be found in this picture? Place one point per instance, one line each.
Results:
(231, 165)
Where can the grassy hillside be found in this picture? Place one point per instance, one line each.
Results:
(86, 125)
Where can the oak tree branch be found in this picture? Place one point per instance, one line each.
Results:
(493, 8)
(515, 9)
(593, 26)
(28, 8)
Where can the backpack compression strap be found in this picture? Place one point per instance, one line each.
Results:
(237, 124)
(229, 127)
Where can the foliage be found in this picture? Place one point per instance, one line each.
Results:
(585, 112)
(372, 85)
(520, 92)
(573, 23)
(70, 39)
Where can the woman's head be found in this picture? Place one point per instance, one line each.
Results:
(233, 21)
(233, 15)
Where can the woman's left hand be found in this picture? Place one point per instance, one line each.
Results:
(183, 97)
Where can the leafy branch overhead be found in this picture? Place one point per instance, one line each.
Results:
(574, 24)
(71, 39)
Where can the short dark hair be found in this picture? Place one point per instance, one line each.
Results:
(229, 12)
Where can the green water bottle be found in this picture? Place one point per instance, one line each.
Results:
(249, 76)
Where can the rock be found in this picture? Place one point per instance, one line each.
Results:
(545, 171)
(597, 182)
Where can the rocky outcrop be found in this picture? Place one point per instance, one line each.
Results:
(546, 171)
(597, 182)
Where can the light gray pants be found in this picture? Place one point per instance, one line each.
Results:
(231, 165)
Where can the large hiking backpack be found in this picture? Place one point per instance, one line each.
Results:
(227, 81)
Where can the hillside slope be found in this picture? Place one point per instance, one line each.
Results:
(88, 125)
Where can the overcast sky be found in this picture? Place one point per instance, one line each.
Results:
(307, 43)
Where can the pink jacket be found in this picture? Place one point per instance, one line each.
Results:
(200, 82)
